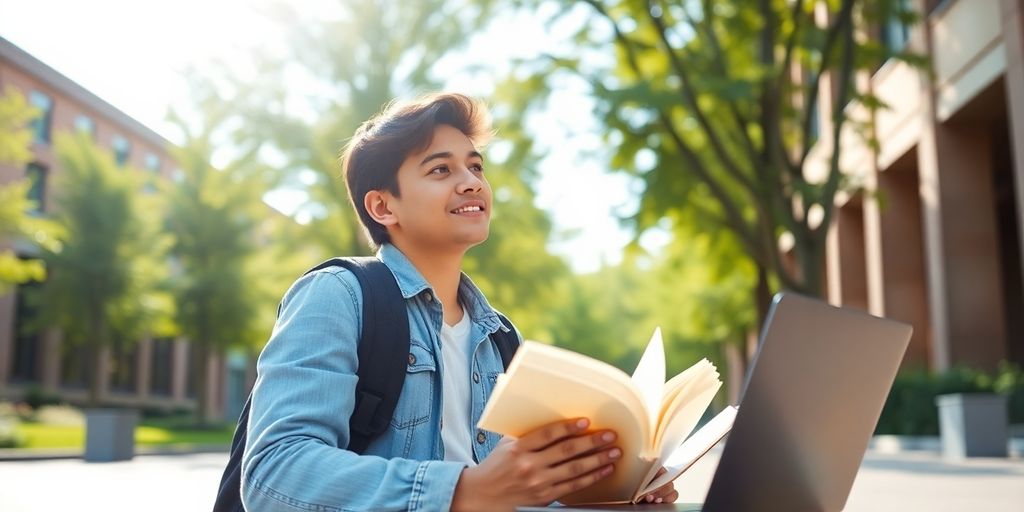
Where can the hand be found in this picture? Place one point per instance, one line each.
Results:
(538, 468)
(664, 494)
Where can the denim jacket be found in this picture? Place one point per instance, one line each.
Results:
(295, 456)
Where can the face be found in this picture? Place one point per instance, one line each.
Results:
(445, 200)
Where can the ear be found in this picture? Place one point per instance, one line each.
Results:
(376, 203)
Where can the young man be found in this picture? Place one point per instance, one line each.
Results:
(417, 181)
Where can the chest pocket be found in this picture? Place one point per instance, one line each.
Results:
(416, 402)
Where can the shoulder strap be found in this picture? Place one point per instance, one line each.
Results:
(507, 341)
(384, 340)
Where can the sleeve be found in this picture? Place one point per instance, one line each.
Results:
(301, 403)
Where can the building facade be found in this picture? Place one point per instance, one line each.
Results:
(936, 239)
(148, 373)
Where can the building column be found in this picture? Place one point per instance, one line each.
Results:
(955, 164)
(143, 366)
(1013, 41)
(179, 370)
(7, 305)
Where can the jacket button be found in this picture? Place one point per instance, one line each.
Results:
(429, 296)
(476, 377)
(412, 359)
(480, 437)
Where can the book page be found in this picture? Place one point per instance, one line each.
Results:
(546, 384)
(690, 451)
(685, 413)
(649, 377)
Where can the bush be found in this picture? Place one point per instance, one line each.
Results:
(37, 397)
(910, 408)
(10, 437)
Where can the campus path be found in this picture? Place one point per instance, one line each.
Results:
(908, 481)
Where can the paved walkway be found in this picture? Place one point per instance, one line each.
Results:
(909, 481)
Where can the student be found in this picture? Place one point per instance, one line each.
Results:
(418, 184)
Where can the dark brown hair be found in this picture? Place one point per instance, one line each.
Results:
(371, 159)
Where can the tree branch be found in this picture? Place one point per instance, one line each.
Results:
(728, 163)
(838, 120)
(844, 18)
(733, 216)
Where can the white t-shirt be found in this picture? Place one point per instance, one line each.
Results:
(456, 432)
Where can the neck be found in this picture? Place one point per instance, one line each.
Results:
(442, 270)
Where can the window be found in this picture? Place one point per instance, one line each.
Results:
(894, 32)
(160, 364)
(122, 149)
(36, 174)
(25, 365)
(41, 124)
(124, 363)
(75, 365)
(151, 163)
(85, 124)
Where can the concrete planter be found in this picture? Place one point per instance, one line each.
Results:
(973, 425)
(110, 434)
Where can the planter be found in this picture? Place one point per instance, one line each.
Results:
(973, 425)
(110, 434)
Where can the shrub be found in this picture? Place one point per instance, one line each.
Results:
(910, 408)
(37, 397)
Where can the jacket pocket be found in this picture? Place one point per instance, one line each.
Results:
(415, 405)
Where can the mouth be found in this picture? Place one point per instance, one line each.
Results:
(468, 209)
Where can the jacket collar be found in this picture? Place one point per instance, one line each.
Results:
(412, 283)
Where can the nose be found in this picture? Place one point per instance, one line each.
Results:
(470, 182)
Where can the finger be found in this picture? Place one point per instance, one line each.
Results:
(580, 466)
(663, 491)
(671, 498)
(573, 447)
(580, 482)
(553, 432)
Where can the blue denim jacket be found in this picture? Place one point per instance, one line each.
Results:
(295, 457)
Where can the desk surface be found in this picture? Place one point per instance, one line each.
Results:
(649, 507)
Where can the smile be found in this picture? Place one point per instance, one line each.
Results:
(467, 209)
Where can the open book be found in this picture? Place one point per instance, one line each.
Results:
(651, 417)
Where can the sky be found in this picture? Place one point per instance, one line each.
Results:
(132, 54)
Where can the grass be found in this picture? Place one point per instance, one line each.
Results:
(37, 435)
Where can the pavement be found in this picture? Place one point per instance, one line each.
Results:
(187, 482)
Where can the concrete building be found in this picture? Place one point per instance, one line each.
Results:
(936, 241)
(152, 373)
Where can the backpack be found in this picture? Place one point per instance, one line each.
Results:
(385, 341)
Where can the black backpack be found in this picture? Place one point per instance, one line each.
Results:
(385, 341)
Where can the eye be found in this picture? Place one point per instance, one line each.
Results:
(477, 167)
(441, 169)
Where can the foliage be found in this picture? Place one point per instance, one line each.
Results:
(354, 62)
(15, 134)
(701, 100)
(910, 408)
(17, 220)
(107, 270)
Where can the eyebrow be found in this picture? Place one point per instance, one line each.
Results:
(448, 154)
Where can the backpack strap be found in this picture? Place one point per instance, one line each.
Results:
(506, 341)
(385, 341)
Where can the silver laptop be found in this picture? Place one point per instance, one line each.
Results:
(811, 402)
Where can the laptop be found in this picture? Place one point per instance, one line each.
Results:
(811, 401)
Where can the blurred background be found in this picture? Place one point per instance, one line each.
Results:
(168, 169)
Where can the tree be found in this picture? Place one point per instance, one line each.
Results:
(212, 215)
(713, 104)
(354, 61)
(105, 275)
(17, 220)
